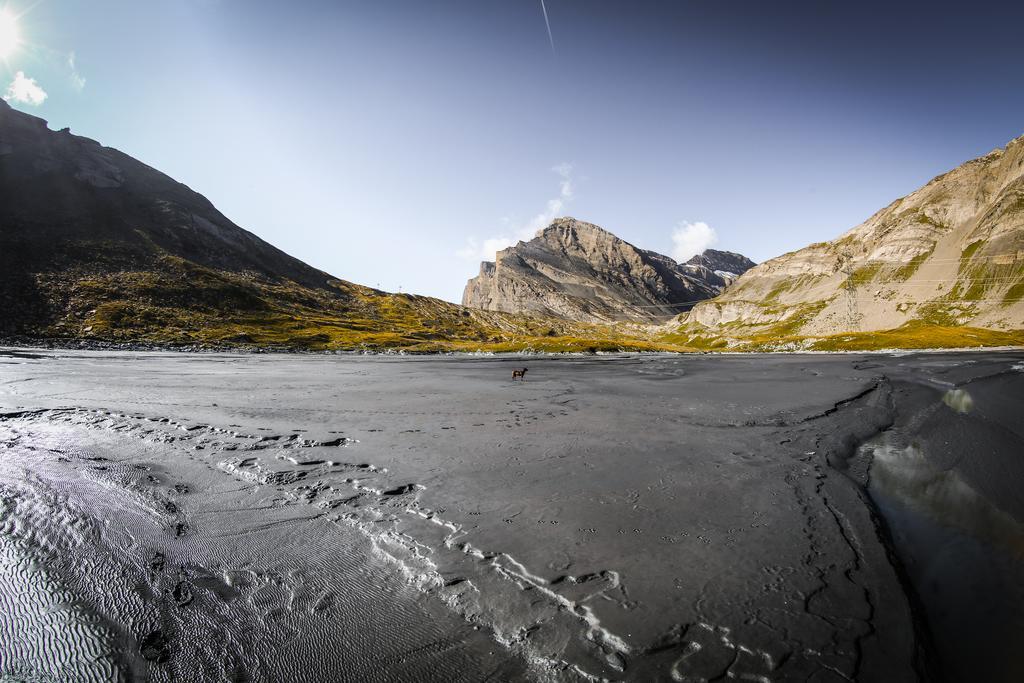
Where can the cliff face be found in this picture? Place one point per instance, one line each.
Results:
(950, 254)
(578, 271)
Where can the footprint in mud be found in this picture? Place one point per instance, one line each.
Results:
(324, 603)
(182, 593)
(219, 586)
(710, 654)
(157, 563)
(154, 647)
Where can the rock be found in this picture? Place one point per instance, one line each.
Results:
(581, 272)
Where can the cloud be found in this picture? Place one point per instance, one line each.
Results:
(25, 90)
(475, 250)
(484, 250)
(77, 80)
(690, 239)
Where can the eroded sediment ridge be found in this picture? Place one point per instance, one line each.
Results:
(487, 587)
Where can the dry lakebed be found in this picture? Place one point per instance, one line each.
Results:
(191, 517)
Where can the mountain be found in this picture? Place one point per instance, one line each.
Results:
(578, 271)
(939, 267)
(726, 264)
(65, 198)
(95, 245)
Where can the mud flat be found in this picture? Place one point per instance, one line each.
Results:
(826, 518)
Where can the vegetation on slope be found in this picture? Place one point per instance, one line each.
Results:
(180, 303)
(176, 302)
(917, 334)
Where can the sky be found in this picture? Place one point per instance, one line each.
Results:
(396, 143)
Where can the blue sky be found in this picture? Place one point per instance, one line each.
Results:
(391, 142)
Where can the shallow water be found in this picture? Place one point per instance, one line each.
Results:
(963, 556)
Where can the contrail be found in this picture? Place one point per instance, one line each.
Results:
(547, 23)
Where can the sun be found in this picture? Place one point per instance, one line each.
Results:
(9, 38)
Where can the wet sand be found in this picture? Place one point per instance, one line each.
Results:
(268, 517)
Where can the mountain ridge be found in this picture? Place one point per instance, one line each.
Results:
(579, 271)
(99, 247)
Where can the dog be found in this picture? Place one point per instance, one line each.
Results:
(519, 373)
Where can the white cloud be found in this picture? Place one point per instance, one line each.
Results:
(25, 90)
(77, 80)
(690, 239)
(484, 250)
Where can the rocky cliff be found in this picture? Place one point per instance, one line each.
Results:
(578, 271)
(949, 255)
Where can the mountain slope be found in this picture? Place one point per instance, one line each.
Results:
(95, 245)
(578, 271)
(949, 256)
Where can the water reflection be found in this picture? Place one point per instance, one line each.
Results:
(904, 473)
(964, 556)
(959, 400)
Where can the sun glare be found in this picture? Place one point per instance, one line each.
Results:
(8, 33)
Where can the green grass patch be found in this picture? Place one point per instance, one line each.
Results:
(987, 279)
(968, 253)
(917, 335)
(779, 288)
(938, 314)
(1014, 294)
(865, 273)
(792, 324)
(905, 272)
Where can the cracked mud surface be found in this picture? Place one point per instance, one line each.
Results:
(229, 517)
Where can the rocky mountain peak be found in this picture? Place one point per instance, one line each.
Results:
(576, 235)
(570, 228)
(726, 262)
(580, 271)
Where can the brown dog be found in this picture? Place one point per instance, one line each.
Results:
(519, 373)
